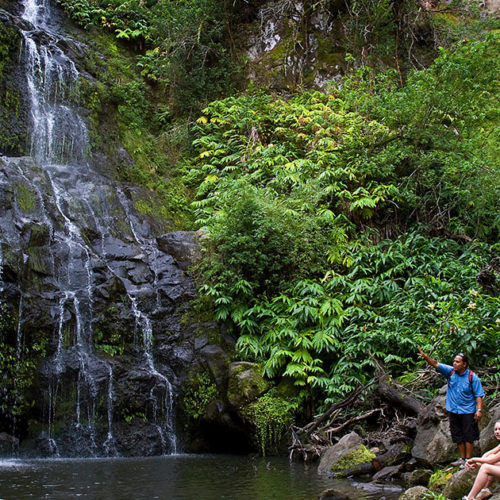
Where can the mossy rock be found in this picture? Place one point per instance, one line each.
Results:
(459, 484)
(415, 493)
(246, 383)
(352, 458)
(40, 260)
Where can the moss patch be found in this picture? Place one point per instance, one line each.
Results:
(26, 198)
(358, 456)
(200, 392)
(271, 416)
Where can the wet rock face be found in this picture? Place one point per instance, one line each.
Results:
(99, 294)
(95, 296)
(14, 111)
(92, 305)
(287, 46)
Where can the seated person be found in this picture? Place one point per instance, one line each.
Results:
(489, 470)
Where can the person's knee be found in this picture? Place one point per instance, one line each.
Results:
(491, 470)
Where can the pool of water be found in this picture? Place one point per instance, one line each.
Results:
(174, 477)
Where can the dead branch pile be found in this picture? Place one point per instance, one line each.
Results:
(392, 399)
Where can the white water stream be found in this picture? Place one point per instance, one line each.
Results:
(58, 142)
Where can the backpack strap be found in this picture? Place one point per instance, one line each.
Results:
(470, 382)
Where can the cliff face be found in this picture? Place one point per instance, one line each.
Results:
(298, 44)
(94, 344)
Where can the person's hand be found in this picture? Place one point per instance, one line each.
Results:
(420, 352)
(478, 415)
(471, 464)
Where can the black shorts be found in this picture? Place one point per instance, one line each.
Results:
(463, 427)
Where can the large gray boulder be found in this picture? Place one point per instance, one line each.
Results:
(433, 444)
(487, 439)
(349, 443)
(459, 484)
(184, 246)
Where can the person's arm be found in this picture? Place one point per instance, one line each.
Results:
(429, 360)
(491, 452)
(494, 458)
(479, 408)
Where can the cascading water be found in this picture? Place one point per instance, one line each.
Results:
(95, 244)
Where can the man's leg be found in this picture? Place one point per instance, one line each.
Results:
(468, 449)
(470, 433)
(456, 430)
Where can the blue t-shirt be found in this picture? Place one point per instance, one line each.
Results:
(461, 395)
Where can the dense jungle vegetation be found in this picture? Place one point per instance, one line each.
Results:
(344, 225)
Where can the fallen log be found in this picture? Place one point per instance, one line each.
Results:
(397, 395)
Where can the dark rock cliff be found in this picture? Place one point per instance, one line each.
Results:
(97, 334)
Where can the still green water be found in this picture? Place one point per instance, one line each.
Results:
(175, 477)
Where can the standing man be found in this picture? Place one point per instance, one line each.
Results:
(464, 402)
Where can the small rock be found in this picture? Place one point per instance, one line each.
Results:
(418, 477)
(333, 495)
(415, 493)
(387, 473)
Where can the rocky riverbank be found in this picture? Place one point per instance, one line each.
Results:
(419, 466)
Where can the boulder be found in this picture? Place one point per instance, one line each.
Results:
(418, 477)
(388, 473)
(246, 383)
(217, 362)
(348, 444)
(184, 246)
(378, 490)
(415, 493)
(433, 444)
(487, 439)
(459, 484)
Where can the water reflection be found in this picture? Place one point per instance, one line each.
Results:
(175, 477)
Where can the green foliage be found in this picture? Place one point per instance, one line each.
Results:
(18, 369)
(272, 416)
(443, 124)
(200, 392)
(295, 194)
(129, 416)
(440, 478)
(112, 346)
(434, 496)
(185, 49)
(401, 33)
(319, 332)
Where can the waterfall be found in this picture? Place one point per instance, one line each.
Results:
(70, 203)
